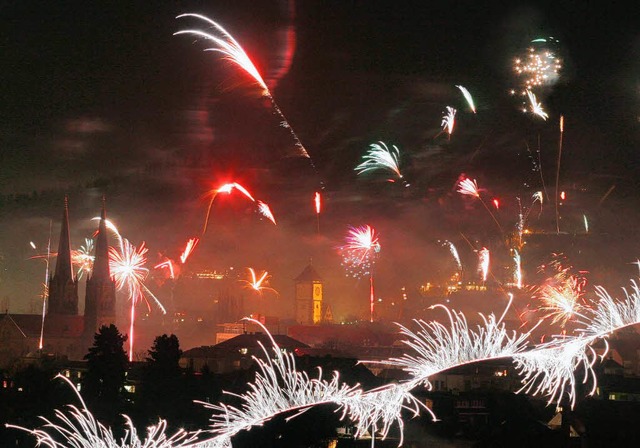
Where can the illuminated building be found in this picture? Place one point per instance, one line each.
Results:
(308, 297)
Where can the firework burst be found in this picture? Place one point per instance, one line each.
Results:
(82, 258)
(359, 254)
(258, 283)
(228, 189)
(380, 157)
(469, 187)
(127, 268)
(539, 67)
(449, 121)
(562, 295)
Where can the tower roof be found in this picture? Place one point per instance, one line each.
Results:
(309, 274)
(64, 269)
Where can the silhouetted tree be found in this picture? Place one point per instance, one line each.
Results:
(107, 366)
(164, 392)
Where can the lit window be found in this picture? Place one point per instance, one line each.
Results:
(243, 351)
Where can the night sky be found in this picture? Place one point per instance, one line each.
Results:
(101, 98)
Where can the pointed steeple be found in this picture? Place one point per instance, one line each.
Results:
(63, 287)
(101, 262)
(100, 299)
(64, 268)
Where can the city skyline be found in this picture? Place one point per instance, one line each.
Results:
(124, 121)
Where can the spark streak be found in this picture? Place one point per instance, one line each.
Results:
(188, 249)
(469, 187)
(449, 120)
(536, 107)
(318, 203)
(232, 51)
(265, 211)
(483, 263)
(468, 97)
(454, 253)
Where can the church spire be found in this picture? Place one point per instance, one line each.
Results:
(100, 299)
(64, 268)
(101, 263)
(63, 287)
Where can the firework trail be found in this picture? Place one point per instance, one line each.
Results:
(188, 249)
(317, 199)
(536, 107)
(469, 187)
(233, 52)
(258, 283)
(265, 211)
(45, 285)
(82, 258)
(468, 97)
(561, 124)
(483, 263)
(127, 268)
(586, 224)
(45, 291)
(359, 254)
(78, 428)
(226, 188)
(448, 121)
(454, 253)
(522, 218)
(517, 272)
(380, 157)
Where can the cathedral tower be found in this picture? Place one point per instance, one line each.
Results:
(63, 287)
(100, 300)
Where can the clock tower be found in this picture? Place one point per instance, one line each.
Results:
(308, 297)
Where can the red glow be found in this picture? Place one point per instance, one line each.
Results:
(496, 204)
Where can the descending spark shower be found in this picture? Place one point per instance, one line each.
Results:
(232, 51)
(547, 369)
